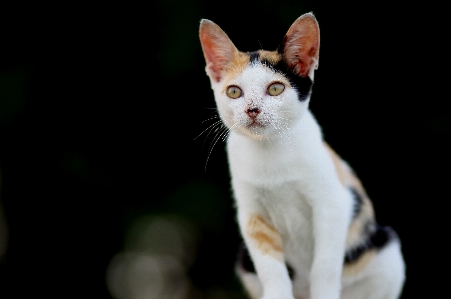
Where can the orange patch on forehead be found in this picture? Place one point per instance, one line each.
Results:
(242, 60)
(236, 66)
(265, 237)
(271, 56)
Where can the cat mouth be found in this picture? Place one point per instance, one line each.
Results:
(255, 124)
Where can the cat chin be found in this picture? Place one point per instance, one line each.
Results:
(257, 132)
(254, 136)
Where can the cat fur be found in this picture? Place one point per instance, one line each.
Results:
(308, 225)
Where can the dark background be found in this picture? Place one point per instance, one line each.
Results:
(100, 107)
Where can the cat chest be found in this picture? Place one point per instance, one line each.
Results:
(287, 208)
(281, 188)
(283, 207)
(291, 215)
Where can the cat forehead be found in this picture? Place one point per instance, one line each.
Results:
(249, 63)
(258, 74)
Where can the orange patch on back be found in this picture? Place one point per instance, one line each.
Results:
(356, 229)
(348, 179)
(265, 237)
(341, 171)
(357, 266)
(344, 172)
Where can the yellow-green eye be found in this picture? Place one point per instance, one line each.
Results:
(234, 92)
(275, 89)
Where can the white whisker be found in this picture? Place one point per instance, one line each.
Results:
(220, 131)
(210, 127)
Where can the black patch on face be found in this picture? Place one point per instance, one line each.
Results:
(245, 262)
(357, 201)
(378, 238)
(303, 85)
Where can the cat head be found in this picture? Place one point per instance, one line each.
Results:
(261, 94)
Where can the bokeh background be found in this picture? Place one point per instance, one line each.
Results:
(107, 189)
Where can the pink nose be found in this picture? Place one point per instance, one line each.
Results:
(252, 112)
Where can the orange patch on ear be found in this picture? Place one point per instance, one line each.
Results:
(265, 237)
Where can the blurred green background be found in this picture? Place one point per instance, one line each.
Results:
(106, 191)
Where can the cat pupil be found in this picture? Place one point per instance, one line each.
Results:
(276, 89)
(233, 92)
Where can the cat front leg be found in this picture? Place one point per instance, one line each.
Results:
(265, 247)
(330, 221)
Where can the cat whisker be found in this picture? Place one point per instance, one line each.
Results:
(219, 126)
(211, 118)
(220, 131)
(210, 127)
(282, 128)
(261, 48)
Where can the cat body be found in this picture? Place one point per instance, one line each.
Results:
(308, 225)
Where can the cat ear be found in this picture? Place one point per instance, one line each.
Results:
(300, 46)
(217, 47)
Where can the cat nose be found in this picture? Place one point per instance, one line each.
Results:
(252, 112)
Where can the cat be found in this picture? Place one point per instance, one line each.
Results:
(308, 226)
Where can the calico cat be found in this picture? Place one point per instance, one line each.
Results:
(308, 225)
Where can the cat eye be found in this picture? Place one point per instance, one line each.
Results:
(276, 88)
(233, 92)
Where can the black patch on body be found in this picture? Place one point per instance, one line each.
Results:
(245, 262)
(244, 259)
(378, 238)
(357, 202)
(303, 85)
(290, 271)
